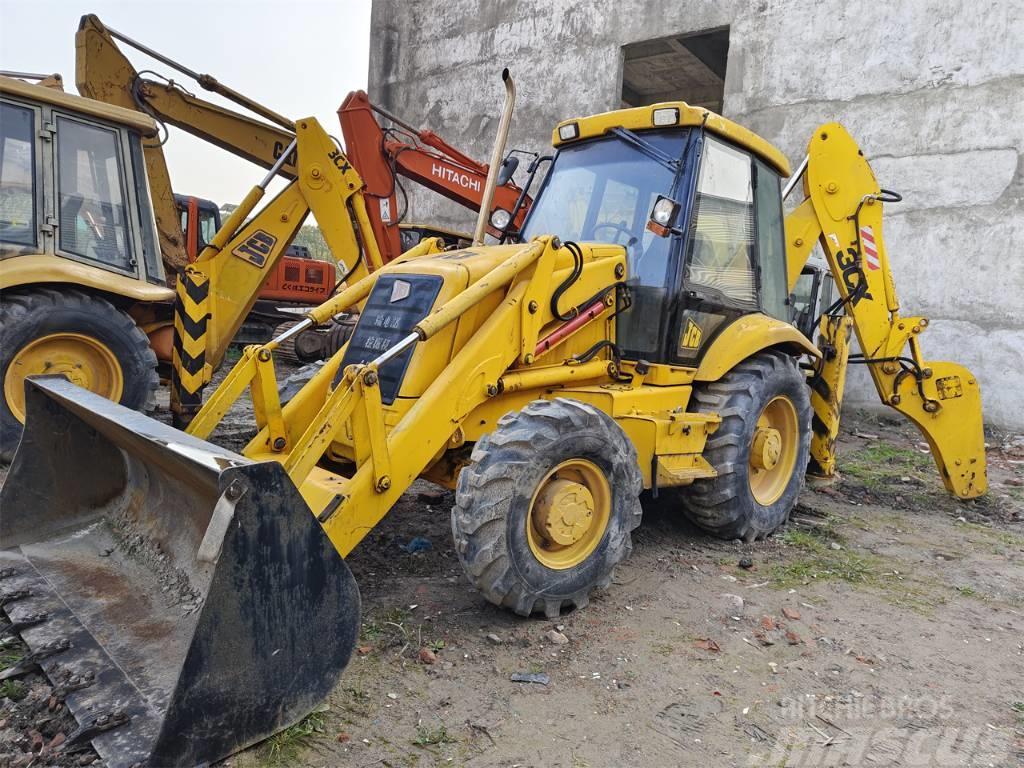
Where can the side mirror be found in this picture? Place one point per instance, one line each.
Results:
(662, 221)
(508, 168)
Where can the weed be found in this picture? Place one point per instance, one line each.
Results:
(436, 645)
(358, 694)
(878, 464)
(386, 623)
(283, 748)
(827, 566)
(1018, 707)
(426, 736)
(966, 591)
(11, 656)
(664, 649)
(13, 690)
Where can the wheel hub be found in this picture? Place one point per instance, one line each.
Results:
(569, 514)
(564, 511)
(773, 450)
(767, 448)
(84, 360)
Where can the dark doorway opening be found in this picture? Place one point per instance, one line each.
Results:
(688, 68)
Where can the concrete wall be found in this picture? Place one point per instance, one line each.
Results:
(932, 89)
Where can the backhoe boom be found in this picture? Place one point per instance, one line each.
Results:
(842, 211)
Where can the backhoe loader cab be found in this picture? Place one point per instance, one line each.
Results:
(713, 248)
(80, 271)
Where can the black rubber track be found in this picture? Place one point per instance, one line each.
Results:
(724, 505)
(30, 314)
(493, 499)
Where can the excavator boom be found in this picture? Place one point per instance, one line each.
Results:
(104, 73)
(382, 154)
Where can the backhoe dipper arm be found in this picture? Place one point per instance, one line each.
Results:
(216, 292)
(104, 73)
(842, 210)
(419, 155)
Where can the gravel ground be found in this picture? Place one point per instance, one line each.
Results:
(883, 626)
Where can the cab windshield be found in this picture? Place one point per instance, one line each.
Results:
(603, 191)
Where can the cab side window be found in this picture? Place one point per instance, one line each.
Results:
(771, 243)
(17, 175)
(720, 253)
(90, 194)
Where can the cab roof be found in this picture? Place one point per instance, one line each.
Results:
(10, 86)
(642, 118)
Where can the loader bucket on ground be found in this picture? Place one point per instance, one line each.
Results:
(183, 598)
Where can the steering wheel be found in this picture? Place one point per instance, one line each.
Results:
(619, 229)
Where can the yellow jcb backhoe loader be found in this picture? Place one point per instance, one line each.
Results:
(638, 338)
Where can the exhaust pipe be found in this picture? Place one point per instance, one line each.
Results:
(496, 156)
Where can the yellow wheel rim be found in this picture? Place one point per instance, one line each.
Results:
(773, 450)
(569, 513)
(84, 360)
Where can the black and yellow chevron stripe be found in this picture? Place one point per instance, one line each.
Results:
(191, 318)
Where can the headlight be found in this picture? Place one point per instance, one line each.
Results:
(663, 210)
(500, 219)
(569, 131)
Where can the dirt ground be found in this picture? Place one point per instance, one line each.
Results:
(883, 626)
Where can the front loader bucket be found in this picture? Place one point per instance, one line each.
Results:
(183, 599)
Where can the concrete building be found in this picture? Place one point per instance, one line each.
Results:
(932, 89)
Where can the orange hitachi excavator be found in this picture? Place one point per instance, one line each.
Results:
(382, 154)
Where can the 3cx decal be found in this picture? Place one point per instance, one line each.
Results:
(256, 248)
(853, 276)
(340, 161)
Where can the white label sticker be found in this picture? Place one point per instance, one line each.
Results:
(385, 210)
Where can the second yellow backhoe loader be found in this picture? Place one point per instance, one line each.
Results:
(638, 337)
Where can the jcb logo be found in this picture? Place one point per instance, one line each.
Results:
(256, 248)
(691, 335)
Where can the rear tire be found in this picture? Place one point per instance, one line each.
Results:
(114, 353)
(526, 534)
(744, 501)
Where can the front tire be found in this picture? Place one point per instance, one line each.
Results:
(760, 449)
(544, 513)
(69, 332)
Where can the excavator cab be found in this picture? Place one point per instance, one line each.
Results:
(200, 220)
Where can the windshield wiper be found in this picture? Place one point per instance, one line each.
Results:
(647, 148)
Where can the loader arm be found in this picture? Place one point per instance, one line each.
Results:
(842, 210)
(216, 292)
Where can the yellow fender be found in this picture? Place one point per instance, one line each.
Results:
(745, 338)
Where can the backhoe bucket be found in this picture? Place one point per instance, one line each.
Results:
(181, 598)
